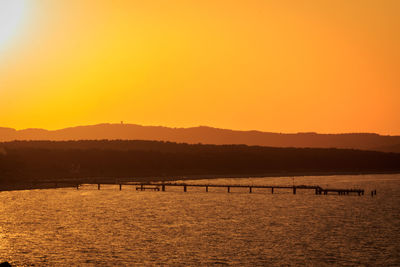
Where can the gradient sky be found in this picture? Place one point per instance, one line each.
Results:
(282, 66)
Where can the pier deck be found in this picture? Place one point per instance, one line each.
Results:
(318, 190)
(161, 186)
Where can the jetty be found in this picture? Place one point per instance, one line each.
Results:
(162, 186)
(294, 188)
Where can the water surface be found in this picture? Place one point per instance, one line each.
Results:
(62, 227)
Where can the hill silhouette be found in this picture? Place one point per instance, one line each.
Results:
(208, 135)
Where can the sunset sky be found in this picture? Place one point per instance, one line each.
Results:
(281, 66)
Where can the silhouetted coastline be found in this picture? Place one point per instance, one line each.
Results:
(26, 164)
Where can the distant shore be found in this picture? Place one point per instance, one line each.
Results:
(278, 174)
(29, 186)
(63, 183)
(45, 164)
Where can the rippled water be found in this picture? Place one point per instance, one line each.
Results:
(59, 227)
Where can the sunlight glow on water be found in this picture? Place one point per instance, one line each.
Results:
(111, 227)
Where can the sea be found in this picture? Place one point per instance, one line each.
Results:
(109, 227)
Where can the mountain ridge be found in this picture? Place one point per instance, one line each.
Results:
(207, 135)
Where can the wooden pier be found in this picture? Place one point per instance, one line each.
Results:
(162, 186)
(158, 186)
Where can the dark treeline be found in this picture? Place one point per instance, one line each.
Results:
(26, 160)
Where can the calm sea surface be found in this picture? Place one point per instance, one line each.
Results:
(64, 227)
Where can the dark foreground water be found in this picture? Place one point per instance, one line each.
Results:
(64, 227)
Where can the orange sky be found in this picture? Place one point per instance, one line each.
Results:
(282, 66)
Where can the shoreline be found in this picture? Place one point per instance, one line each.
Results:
(63, 183)
(279, 174)
(27, 186)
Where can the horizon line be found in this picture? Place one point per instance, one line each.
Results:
(198, 126)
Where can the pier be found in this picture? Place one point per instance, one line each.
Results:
(162, 186)
(317, 189)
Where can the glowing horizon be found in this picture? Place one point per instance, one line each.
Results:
(275, 66)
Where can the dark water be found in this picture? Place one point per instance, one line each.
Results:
(63, 227)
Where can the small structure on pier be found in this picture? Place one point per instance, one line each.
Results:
(143, 187)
